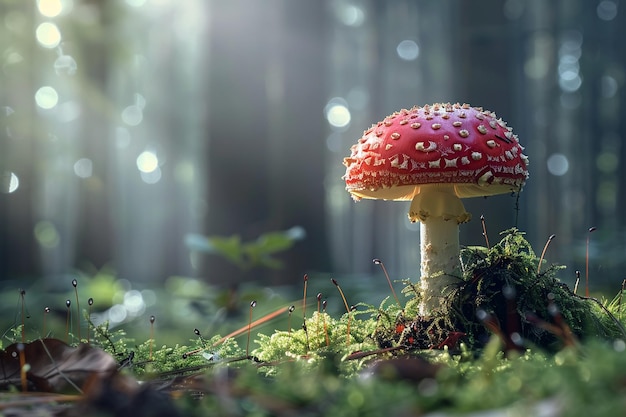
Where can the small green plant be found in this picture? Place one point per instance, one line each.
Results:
(247, 255)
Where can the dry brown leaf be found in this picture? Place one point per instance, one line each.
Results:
(54, 366)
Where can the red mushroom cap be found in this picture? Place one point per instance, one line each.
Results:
(453, 144)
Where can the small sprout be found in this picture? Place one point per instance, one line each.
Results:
(252, 305)
(484, 225)
(343, 297)
(68, 303)
(75, 285)
(382, 265)
(543, 252)
(290, 310)
(152, 320)
(46, 310)
(591, 230)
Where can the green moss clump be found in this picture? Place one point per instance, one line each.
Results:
(503, 292)
(321, 336)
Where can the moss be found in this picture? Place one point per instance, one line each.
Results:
(502, 292)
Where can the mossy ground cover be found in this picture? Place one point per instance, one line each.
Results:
(509, 336)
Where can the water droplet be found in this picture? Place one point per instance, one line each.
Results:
(74, 283)
(152, 319)
(253, 304)
(65, 65)
(90, 301)
(68, 303)
(377, 261)
(291, 309)
(46, 310)
(197, 332)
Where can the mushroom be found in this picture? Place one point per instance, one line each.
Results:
(435, 155)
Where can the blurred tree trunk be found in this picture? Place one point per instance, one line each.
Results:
(265, 125)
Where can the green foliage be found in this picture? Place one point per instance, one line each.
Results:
(251, 254)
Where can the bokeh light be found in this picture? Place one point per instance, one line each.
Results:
(152, 177)
(147, 162)
(337, 112)
(46, 97)
(50, 8)
(607, 162)
(607, 10)
(132, 115)
(350, 14)
(558, 164)
(135, 3)
(608, 86)
(408, 50)
(46, 234)
(570, 52)
(83, 168)
(65, 65)
(9, 182)
(48, 35)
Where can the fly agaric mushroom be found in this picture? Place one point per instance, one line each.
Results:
(435, 155)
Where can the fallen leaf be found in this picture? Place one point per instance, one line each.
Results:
(54, 366)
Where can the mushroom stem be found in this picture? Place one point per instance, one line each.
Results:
(440, 265)
(440, 211)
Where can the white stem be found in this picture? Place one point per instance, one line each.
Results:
(440, 211)
(439, 248)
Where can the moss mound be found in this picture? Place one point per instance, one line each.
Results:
(504, 292)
